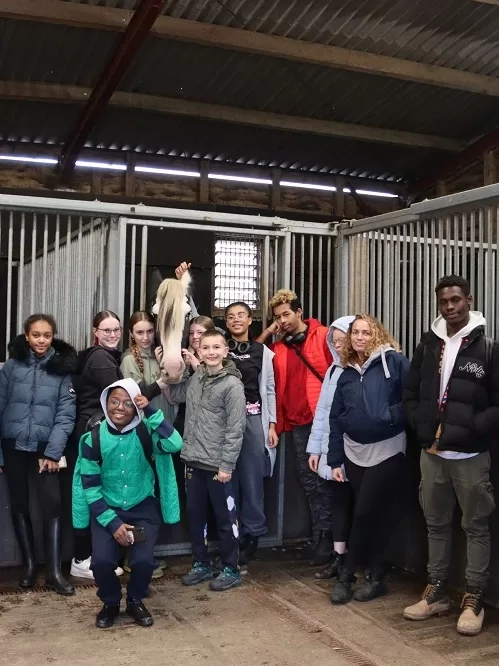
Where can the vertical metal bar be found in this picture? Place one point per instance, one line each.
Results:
(301, 295)
(20, 274)
(457, 253)
(133, 247)
(448, 246)
(426, 277)
(464, 233)
(287, 269)
(397, 286)
(293, 262)
(55, 297)
(33, 264)
(122, 229)
(489, 306)
(419, 294)
(329, 279)
(379, 274)
(441, 244)
(80, 335)
(404, 282)
(143, 268)
(473, 254)
(412, 241)
(434, 267)
(67, 279)
(45, 262)
(372, 273)
(102, 251)
(387, 278)
(8, 314)
(310, 308)
(479, 295)
(266, 280)
(345, 261)
(320, 278)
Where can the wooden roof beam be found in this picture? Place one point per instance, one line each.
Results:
(208, 34)
(177, 107)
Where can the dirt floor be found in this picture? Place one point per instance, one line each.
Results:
(280, 617)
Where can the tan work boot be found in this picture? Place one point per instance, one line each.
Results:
(435, 601)
(471, 619)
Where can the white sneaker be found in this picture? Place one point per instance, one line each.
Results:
(81, 569)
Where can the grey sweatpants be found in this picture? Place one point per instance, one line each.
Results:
(442, 481)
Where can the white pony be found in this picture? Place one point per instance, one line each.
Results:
(172, 307)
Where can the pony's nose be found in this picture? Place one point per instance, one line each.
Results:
(173, 370)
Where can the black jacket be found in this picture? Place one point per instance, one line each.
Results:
(470, 416)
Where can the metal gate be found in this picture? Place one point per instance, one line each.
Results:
(389, 264)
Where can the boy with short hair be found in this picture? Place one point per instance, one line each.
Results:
(214, 426)
(114, 491)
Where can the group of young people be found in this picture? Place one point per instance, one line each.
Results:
(114, 429)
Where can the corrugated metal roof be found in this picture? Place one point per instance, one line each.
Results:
(76, 56)
(189, 138)
(460, 34)
(452, 33)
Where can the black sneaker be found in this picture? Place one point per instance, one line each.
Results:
(227, 579)
(248, 549)
(139, 613)
(332, 569)
(106, 616)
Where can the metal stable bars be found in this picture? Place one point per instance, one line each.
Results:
(391, 263)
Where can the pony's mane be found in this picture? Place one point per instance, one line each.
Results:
(171, 298)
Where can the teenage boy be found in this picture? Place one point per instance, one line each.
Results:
(114, 490)
(451, 400)
(258, 453)
(302, 358)
(215, 418)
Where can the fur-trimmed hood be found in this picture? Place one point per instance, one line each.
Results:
(61, 359)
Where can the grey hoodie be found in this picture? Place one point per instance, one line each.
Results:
(215, 417)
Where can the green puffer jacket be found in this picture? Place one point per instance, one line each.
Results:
(97, 487)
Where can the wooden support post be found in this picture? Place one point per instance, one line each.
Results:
(204, 182)
(275, 190)
(339, 197)
(440, 188)
(130, 175)
(489, 168)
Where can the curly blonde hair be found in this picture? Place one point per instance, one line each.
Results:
(379, 338)
(285, 296)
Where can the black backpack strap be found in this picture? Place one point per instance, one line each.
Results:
(489, 348)
(95, 434)
(146, 441)
(309, 366)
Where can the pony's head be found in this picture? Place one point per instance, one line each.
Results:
(172, 306)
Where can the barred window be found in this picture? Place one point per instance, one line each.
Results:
(237, 272)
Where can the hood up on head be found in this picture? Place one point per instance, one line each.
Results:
(439, 326)
(133, 391)
(342, 324)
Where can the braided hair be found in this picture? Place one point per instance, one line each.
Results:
(136, 318)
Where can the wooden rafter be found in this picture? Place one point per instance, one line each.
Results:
(178, 107)
(104, 18)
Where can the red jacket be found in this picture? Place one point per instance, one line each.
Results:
(316, 352)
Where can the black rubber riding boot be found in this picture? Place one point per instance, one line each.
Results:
(248, 549)
(374, 586)
(332, 569)
(54, 579)
(24, 533)
(323, 551)
(342, 591)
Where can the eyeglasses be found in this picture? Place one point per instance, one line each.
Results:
(239, 315)
(127, 404)
(110, 331)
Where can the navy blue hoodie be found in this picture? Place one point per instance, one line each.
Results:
(367, 405)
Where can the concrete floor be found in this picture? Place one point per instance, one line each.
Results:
(280, 617)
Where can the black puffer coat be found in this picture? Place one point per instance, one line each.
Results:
(470, 416)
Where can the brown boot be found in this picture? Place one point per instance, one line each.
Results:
(471, 619)
(435, 601)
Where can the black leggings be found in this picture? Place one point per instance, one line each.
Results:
(23, 473)
(378, 492)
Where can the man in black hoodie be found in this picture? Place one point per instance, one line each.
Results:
(451, 400)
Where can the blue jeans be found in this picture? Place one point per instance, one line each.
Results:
(105, 553)
(248, 479)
